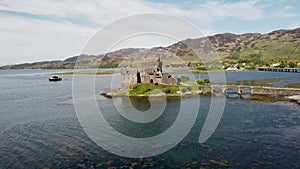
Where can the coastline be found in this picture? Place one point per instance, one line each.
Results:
(112, 71)
(266, 98)
(116, 93)
(206, 71)
(88, 73)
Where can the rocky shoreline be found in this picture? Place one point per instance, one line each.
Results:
(295, 99)
(120, 93)
(261, 98)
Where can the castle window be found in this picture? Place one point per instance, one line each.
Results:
(151, 80)
(139, 77)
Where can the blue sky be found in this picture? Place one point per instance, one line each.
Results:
(35, 30)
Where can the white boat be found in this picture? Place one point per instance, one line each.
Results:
(55, 78)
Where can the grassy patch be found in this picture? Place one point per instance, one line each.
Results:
(198, 82)
(146, 88)
(267, 98)
(293, 85)
(258, 82)
(206, 71)
(197, 71)
(188, 83)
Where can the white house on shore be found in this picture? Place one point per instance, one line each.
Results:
(275, 64)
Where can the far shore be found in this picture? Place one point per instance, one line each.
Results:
(109, 72)
(97, 72)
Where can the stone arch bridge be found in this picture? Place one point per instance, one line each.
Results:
(252, 90)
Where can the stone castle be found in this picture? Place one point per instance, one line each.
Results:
(152, 74)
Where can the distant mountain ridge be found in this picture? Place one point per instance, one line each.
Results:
(279, 44)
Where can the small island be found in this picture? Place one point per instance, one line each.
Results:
(152, 81)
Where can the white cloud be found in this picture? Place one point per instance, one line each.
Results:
(212, 11)
(146, 29)
(103, 12)
(53, 29)
(94, 11)
(286, 13)
(288, 8)
(244, 10)
(24, 40)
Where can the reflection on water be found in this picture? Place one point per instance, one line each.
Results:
(39, 128)
(139, 130)
(141, 104)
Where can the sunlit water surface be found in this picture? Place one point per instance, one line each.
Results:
(39, 128)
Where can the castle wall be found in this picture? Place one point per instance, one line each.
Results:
(152, 75)
(169, 80)
(128, 77)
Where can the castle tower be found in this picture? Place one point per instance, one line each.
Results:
(159, 63)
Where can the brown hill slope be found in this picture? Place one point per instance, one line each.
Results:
(273, 46)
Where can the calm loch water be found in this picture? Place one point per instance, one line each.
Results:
(39, 128)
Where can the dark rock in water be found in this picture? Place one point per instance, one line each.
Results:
(106, 95)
